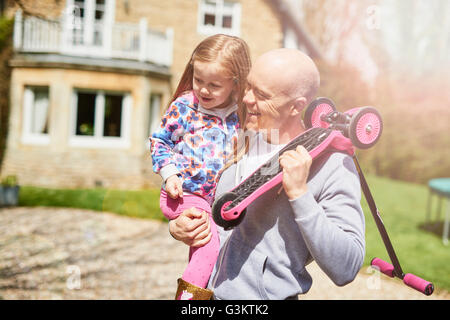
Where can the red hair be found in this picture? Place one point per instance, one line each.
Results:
(232, 53)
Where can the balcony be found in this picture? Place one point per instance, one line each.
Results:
(135, 42)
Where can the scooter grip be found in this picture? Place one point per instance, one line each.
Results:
(383, 266)
(419, 284)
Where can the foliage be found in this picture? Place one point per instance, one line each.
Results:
(9, 181)
(6, 29)
(412, 89)
(414, 145)
(415, 142)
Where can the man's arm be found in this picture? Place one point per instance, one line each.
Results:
(191, 227)
(332, 225)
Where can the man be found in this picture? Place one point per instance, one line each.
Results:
(316, 215)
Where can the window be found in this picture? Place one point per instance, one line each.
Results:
(89, 16)
(100, 119)
(85, 114)
(113, 115)
(155, 113)
(88, 23)
(154, 119)
(290, 39)
(36, 115)
(219, 16)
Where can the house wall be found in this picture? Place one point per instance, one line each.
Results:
(58, 163)
(260, 26)
(50, 9)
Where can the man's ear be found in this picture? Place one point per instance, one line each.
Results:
(297, 106)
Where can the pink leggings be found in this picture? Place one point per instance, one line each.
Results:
(201, 259)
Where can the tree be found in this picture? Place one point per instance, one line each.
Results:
(409, 43)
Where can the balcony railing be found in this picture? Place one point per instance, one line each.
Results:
(120, 40)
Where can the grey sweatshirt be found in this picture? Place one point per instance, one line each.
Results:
(265, 256)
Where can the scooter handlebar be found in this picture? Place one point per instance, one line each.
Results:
(383, 266)
(409, 279)
(419, 284)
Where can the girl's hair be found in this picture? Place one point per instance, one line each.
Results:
(233, 54)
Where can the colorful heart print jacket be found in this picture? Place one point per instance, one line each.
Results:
(197, 142)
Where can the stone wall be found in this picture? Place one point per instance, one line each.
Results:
(260, 26)
(60, 165)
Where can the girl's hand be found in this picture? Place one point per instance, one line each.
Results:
(296, 164)
(174, 187)
(191, 227)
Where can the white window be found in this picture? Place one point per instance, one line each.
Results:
(219, 16)
(100, 119)
(290, 39)
(155, 113)
(88, 25)
(154, 120)
(89, 22)
(36, 115)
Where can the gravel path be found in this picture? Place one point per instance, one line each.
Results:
(54, 253)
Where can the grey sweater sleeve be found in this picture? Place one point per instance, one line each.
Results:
(332, 222)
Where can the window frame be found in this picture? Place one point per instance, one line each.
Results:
(154, 112)
(98, 140)
(154, 116)
(29, 137)
(89, 26)
(219, 11)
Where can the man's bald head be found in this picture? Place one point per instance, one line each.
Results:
(291, 71)
(280, 85)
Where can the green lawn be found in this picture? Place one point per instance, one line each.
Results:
(140, 204)
(402, 207)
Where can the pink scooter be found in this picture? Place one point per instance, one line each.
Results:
(328, 129)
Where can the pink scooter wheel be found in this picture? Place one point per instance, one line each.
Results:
(317, 108)
(220, 205)
(365, 128)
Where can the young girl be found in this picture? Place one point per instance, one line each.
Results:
(197, 135)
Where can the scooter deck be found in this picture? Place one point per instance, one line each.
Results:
(314, 140)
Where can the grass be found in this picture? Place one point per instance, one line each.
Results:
(140, 204)
(402, 207)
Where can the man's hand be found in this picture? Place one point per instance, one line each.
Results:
(296, 164)
(191, 227)
(174, 187)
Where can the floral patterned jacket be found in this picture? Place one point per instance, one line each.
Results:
(195, 143)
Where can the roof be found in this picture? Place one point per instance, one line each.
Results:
(53, 60)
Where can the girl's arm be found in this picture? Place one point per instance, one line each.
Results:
(164, 140)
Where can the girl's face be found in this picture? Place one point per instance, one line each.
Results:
(211, 86)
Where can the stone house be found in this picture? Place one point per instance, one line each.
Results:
(91, 78)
